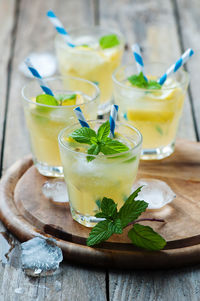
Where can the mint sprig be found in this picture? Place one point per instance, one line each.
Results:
(100, 142)
(109, 41)
(140, 82)
(115, 221)
(64, 97)
(56, 100)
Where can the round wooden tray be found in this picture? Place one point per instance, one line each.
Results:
(25, 211)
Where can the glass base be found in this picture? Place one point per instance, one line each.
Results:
(85, 220)
(49, 171)
(157, 153)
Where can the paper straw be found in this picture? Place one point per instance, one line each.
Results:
(59, 27)
(36, 74)
(112, 120)
(80, 117)
(138, 59)
(183, 59)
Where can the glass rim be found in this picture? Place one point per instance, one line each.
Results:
(119, 83)
(90, 28)
(137, 146)
(97, 94)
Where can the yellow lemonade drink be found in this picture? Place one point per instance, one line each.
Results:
(46, 119)
(155, 112)
(110, 176)
(97, 54)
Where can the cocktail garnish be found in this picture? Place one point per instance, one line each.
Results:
(100, 142)
(46, 99)
(109, 41)
(116, 220)
(57, 100)
(140, 82)
(65, 98)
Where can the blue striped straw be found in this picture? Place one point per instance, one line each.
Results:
(183, 59)
(36, 74)
(59, 27)
(112, 120)
(138, 59)
(80, 117)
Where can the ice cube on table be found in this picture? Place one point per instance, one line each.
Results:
(56, 190)
(40, 255)
(45, 63)
(155, 192)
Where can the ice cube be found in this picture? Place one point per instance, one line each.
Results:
(56, 190)
(40, 255)
(155, 192)
(87, 40)
(45, 63)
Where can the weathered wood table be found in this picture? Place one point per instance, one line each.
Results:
(164, 29)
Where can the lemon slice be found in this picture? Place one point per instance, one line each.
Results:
(84, 48)
(149, 116)
(69, 139)
(69, 102)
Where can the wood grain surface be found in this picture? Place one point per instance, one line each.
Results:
(7, 10)
(187, 13)
(22, 25)
(26, 211)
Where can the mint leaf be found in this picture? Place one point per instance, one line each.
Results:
(140, 82)
(111, 147)
(153, 85)
(62, 97)
(131, 209)
(66, 99)
(109, 208)
(103, 131)
(94, 149)
(98, 203)
(145, 237)
(116, 226)
(46, 99)
(83, 135)
(158, 128)
(101, 215)
(102, 231)
(109, 41)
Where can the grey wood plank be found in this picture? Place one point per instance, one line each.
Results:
(188, 16)
(35, 33)
(176, 285)
(153, 26)
(72, 283)
(7, 11)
